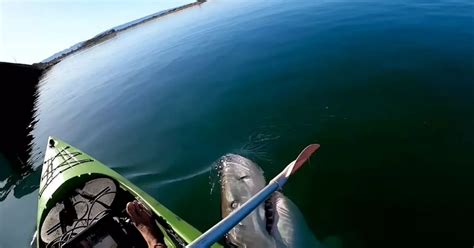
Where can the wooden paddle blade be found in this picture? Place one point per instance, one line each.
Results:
(304, 156)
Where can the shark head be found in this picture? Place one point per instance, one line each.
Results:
(275, 223)
(240, 180)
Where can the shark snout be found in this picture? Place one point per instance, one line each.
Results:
(236, 165)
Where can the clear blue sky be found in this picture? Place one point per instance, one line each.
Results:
(32, 30)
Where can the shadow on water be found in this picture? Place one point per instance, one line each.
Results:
(17, 98)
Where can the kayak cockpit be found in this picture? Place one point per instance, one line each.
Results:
(91, 213)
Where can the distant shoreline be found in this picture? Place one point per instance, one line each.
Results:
(57, 57)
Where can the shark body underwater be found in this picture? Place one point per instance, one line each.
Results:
(276, 223)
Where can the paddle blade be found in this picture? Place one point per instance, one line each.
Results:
(302, 158)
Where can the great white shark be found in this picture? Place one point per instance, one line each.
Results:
(276, 223)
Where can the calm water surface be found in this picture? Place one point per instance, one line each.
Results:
(386, 88)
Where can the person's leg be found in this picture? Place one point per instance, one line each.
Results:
(143, 220)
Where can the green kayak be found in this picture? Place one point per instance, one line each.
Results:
(82, 204)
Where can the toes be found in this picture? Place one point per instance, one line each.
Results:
(138, 212)
(133, 212)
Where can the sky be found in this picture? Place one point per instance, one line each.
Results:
(33, 30)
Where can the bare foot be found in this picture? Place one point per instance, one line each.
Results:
(143, 221)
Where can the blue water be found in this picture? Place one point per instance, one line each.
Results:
(386, 88)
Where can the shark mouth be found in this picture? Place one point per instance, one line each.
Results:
(275, 223)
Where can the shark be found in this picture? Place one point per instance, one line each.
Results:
(275, 223)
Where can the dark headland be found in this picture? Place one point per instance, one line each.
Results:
(17, 96)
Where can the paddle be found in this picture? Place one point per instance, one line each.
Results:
(225, 225)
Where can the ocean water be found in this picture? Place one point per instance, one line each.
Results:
(386, 88)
